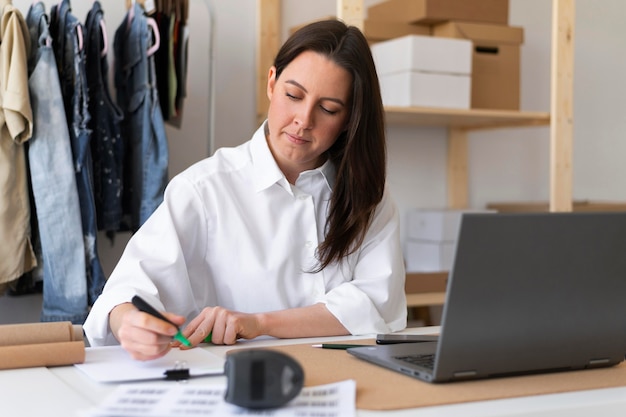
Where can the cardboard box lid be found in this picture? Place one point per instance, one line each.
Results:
(423, 53)
(480, 32)
(379, 30)
(433, 11)
(385, 30)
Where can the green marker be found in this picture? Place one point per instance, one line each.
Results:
(142, 305)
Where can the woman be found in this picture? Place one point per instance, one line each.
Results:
(291, 234)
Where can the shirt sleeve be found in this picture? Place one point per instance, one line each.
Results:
(373, 301)
(157, 263)
(15, 98)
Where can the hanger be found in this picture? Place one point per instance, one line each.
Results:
(105, 41)
(79, 36)
(150, 21)
(157, 37)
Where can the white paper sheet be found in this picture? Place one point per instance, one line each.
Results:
(114, 364)
(179, 400)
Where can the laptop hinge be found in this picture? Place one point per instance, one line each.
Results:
(465, 374)
(598, 362)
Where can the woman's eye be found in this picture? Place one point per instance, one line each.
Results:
(292, 97)
(325, 110)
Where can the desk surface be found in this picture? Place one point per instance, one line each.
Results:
(67, 392)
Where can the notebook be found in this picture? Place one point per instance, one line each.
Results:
(527, 293)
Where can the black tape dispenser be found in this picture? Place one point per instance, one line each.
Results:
(260, 378)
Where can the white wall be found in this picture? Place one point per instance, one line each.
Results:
(505, 165)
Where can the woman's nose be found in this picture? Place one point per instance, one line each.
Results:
(304, 118)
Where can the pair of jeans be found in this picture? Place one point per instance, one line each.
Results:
(107, 146)
(143, 130)
(53, 184)
(64, 28)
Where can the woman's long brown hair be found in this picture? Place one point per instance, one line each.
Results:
(359, 154)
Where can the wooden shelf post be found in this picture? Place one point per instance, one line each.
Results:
(351, 12)
(268, 43)
(457, 170)
(561, 108)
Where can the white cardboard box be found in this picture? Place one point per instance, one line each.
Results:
(423, 54)
(424, 71)
(436, 225)
(425, 89)
(425, 256)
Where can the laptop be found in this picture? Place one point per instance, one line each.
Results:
(527, 293)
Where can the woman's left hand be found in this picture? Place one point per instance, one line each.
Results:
(224, 326)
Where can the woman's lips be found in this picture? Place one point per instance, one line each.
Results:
(296, 139)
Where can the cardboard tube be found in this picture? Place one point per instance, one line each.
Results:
(33, 333)
(41, 344)
(48, 354)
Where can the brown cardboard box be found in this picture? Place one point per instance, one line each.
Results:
(435, 11)
(421, 282)
(495, 62)
(380, 30)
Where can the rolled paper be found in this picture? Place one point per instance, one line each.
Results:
(42, 354)
(32, 333)
(41, 344)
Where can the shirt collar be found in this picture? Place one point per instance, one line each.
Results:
(267, 172)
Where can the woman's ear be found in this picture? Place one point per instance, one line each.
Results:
(271, 82)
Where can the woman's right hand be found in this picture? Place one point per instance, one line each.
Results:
(143, 336)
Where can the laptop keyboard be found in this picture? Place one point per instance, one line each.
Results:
(424, 361)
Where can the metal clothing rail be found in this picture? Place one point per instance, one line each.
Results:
(211, 73)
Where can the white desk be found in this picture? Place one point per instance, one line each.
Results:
(66, 392)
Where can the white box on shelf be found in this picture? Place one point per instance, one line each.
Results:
(423, 54)
(423, 89)
(425, 256)
(424, 71)
(437, 225)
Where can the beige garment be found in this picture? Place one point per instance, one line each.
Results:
(16, 127)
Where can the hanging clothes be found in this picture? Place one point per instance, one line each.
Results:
(181, 46)
(16, 125)
(146, 149)
(164, 61)
(53, 184)
(107, 146)
(171, 58)
(67, 34)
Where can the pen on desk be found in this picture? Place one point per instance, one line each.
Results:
(342, 346)
(142, 305)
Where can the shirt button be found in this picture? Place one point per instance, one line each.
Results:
(303, 197)
(308, 244)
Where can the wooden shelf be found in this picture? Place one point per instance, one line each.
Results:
(470, 119)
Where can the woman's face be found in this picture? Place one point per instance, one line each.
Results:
(309, 108)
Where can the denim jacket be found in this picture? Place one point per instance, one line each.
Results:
(146, 147)
(53, 183)
(66, 32)
(106, 142)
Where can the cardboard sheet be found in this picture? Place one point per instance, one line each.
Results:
(382, 389)
(40, 344)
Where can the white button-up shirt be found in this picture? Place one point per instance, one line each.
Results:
(233, 232)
